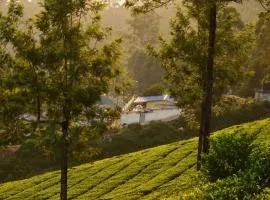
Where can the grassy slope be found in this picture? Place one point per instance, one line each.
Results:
(156, 173)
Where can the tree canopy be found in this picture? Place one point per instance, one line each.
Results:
(60, 65)
(184, 56)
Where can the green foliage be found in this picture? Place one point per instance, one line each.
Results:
(233, 188)
(12, 98)
(13, 131)
(137, 137)
(230, 111)
(263, 195)
(184, 56)
(230, 103)
(133, 175)
(260, 163)
(80, 150)
(59, 66)
(86, 146)
(233, 113)
(249, 183)
(164, 172)
(20, 165)
(237, 166)
(228, 155)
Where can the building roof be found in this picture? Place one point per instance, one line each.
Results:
(153, 98)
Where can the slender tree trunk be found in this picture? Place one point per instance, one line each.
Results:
(210, 77)
(64, 160)
(206, 114)
(201, 138)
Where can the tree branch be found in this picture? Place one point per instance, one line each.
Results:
(263, 6)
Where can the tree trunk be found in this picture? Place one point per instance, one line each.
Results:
(210, 77)
(64, 160)
(206, 114)
(201, 134)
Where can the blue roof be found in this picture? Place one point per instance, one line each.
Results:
(153, 98)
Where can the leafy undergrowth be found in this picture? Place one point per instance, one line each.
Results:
(164, 172)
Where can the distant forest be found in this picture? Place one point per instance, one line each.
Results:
(117, 17)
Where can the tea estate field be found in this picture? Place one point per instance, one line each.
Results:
(164, 172)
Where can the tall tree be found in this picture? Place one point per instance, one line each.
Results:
(204, 9)
(68, 63)
(78, 65)
(206, 110)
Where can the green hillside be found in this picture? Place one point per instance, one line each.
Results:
(158, 173)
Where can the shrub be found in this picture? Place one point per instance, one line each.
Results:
(29, 160)
(229, 154)
(229, 103)
(136, 137)
(248, 184)
(239, 168)
(260, 164)
(229, 114)
(231, 188)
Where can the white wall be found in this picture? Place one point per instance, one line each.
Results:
(164, 115)
(130, 118)
(262, 96)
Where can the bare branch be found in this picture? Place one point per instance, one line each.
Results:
(263, 5)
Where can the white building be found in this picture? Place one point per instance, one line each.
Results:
(264, 93)
(151, 108)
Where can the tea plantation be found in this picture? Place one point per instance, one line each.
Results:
(164, 172)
